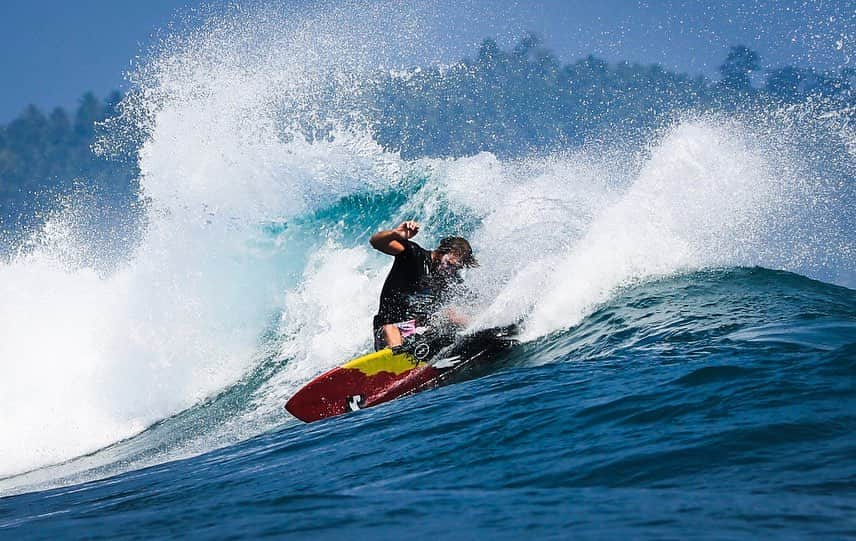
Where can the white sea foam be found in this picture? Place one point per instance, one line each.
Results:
(91, 359)
(559, 236)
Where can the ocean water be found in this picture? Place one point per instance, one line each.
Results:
(718, 403)
(688, 357)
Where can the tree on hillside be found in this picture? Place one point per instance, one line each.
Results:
(739, 64)
(795, 84)
(90, 111)
(44, 157)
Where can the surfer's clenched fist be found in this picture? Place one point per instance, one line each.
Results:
(393, 241)
(407, 229)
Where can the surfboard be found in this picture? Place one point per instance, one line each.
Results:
(388, 374)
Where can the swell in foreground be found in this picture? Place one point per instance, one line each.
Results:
(726, 397)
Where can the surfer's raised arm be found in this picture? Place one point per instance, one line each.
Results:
(392, 241)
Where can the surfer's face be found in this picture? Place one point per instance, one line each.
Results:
(450, 263)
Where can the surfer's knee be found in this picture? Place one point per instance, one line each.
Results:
(391, 335)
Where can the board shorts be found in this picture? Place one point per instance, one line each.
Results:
(408, 328)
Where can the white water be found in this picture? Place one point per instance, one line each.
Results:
(560, 236)
(90, 359)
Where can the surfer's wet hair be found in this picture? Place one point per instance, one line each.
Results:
(460, 247)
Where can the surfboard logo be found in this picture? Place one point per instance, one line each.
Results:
(356, 402)
(421, 351)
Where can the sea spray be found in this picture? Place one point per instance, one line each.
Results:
(710, 191)
(96, 359)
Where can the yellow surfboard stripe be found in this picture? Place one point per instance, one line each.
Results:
(383, 361)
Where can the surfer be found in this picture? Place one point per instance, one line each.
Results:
(418, 283)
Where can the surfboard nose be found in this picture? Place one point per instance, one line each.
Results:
(315, 401)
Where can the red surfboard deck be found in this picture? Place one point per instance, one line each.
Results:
(388, 374)
(364, 382)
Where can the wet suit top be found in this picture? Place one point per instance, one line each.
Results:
(410, 290)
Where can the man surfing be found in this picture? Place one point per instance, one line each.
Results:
(418, 284)
(414, 301)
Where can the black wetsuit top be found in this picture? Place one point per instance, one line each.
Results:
(410, 290)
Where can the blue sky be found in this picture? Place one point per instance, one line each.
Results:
(52, 51)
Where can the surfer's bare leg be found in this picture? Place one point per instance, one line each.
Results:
(392, 335)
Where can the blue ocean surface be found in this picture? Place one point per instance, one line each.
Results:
(683, 272)
(714, 404)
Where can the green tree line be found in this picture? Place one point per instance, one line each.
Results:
(507, 101)
(43, 157)
(515, 101)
